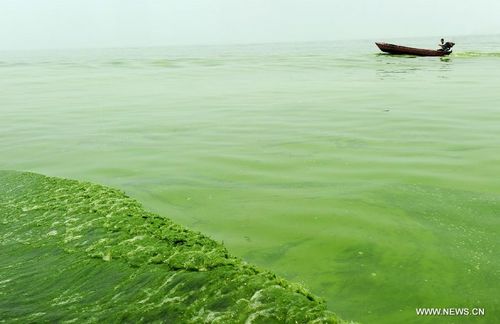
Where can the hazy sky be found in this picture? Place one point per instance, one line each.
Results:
(121, 23)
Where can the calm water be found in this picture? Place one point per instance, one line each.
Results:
(372, 179)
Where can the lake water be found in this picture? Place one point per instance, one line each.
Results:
(369, 178)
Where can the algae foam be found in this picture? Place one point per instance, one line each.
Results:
(81, 252)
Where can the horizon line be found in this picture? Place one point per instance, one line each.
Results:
(222, 44)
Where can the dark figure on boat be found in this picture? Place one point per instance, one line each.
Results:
(445, 47)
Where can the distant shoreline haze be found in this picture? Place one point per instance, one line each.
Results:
(477, 43)
(44, 24)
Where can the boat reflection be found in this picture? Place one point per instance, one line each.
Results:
(404, 66)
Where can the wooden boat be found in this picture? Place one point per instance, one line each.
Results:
(403, 50)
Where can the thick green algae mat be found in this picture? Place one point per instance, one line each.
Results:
(81, 252)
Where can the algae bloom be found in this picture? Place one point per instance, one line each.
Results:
(80, 252)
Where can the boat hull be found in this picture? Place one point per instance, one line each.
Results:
(404, 50)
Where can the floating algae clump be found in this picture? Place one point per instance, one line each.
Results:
(80, 252)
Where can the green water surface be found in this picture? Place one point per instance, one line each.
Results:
(369, 178)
